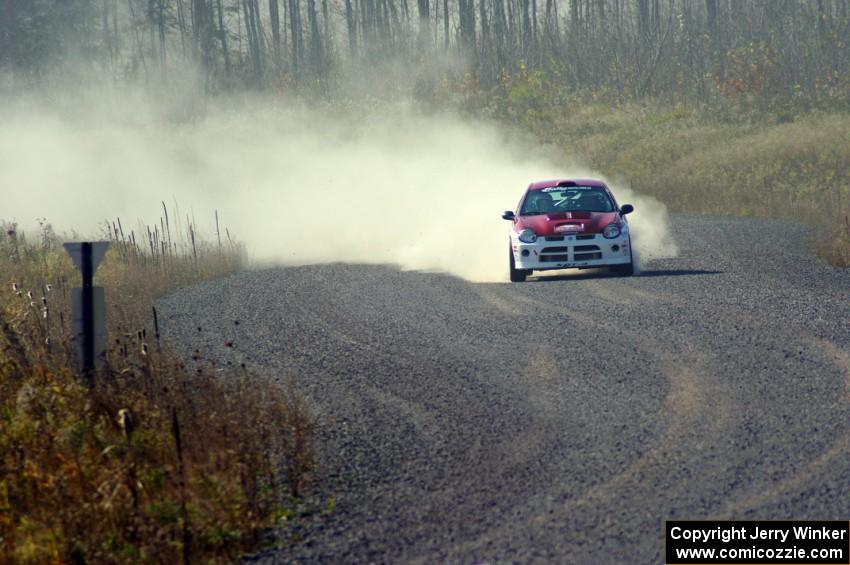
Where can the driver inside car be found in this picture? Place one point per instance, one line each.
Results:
(543, 204)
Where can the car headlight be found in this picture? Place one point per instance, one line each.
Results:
(611, 231)
(527, 236)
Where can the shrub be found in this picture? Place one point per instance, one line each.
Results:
(159, 461)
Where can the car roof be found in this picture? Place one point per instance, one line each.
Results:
(538, 185)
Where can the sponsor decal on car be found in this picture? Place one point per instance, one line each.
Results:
(564, 188)
(568, 228)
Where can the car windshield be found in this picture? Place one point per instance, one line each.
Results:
(566, 199)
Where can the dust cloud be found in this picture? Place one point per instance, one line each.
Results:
(649, 225)
(298, 185)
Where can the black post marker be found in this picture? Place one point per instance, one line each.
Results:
(88, 313)
(88, 309)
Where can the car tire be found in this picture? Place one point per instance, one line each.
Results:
(626, 270)
(517, 275)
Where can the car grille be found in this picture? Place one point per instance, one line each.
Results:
(560, 254)
(586, 236)
(588, 256)
(554, 238)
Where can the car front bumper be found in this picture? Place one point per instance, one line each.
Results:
(581, 251)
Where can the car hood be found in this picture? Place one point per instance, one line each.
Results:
(558, 223)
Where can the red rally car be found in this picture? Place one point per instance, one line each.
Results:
(569, 224)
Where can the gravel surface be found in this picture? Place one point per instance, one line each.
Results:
(559, 420)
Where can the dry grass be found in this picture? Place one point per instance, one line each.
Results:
(836, 250)
(159, 461)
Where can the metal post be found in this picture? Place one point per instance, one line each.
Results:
(88, 312)
(88, 308)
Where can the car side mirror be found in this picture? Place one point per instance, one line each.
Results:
(626, 209)
(508, 216)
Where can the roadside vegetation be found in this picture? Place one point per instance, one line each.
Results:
(162, 460)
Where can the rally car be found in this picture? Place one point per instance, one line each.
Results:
(569, 224)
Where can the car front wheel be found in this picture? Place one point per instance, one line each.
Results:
(517, 275)
(628, 269)
(624, 270)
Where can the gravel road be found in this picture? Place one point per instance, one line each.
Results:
(559, 420)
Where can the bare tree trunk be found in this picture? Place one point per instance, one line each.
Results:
(351, 25)
(107, 36)
(161, 25)
(135, 33)
(326, 30)
(711, 15)
(485, 27)
(252, 27)
(222, 35)
(466, 15)
(297, 42)
(6, 27)
(643, 18)
(656, 16)
(151, 20)
(259, 39)
(238, 34)
(424, 35)
(181, 24)
(274, 22)
(316, 55)
(499, 33)
(534, 31)
(446, 36)
(116, 38)
(436, 40)
(526, 30)
(199, 29)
